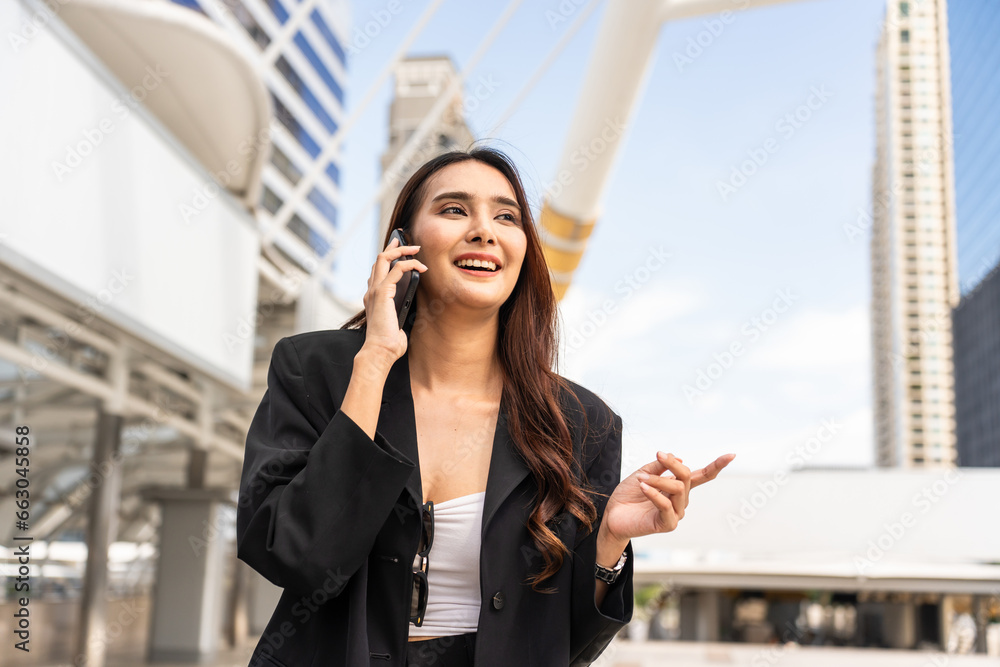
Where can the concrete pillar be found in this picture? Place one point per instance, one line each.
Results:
(237, 618)
(699, 612)
(197, 468)
(900, 624)
(262, 598)
(188, 593)
(688, 615)
(706, 626)
(947, 614)
(102, 525)
(979, 614)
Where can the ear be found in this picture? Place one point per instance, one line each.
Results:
(407, 235)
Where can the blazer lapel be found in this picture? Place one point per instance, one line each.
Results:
(397, 423)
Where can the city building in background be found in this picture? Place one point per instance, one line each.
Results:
(913, 249)
(976, 323)
(973, 26)
(419, 81)
(306, 81)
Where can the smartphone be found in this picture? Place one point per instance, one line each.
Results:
(407, 285)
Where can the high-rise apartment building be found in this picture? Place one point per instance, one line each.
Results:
(419, 81)
(913, 249)
(306, 83)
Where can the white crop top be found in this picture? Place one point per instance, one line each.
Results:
(453, 597)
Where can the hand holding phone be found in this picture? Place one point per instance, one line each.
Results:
(384, 318)
(407, 285)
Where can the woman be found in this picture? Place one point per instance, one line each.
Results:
(461, 504)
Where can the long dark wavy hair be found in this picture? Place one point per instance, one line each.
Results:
(527, 347)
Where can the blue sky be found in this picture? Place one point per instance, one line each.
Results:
(780, 233)
(975, 63)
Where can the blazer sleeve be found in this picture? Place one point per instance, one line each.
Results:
(593, 628)
(311, 500)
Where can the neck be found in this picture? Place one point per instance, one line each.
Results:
(455, 352)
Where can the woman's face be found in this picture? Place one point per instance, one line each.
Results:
(469, 212)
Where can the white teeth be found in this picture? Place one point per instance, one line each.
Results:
(477, 263)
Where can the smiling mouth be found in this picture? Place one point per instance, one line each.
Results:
(477, 265)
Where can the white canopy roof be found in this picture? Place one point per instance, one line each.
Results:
(849, 530)
(207, 89)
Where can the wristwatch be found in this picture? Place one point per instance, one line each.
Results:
(610, 574)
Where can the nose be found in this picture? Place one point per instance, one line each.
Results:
(481, 229)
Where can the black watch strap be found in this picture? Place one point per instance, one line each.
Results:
(609, 575)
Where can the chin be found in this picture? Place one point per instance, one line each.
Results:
(477, 298)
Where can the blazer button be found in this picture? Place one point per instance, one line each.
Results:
(498, 600)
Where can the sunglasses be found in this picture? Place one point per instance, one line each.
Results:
(418, 602)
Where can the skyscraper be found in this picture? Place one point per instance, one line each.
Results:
(913, 249)
(306, 83)
(977, 373)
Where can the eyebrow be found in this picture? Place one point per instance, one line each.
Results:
(466, 197)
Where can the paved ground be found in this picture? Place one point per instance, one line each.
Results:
(227, 658)
(624, 653)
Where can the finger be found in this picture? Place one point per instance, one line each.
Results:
(681, 471)
(387, 256)
(665, 484)
(657, 466)
(396, 273)
(393, 243)
(383, 262)
(676, 490)
(653, 468)
(709, 472)
(661, 502)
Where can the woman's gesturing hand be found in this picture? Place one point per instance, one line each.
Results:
(645, 503)
(381, 321)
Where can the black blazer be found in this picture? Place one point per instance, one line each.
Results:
(339, 535)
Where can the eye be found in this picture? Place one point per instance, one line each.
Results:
(512, 218)
(452, 208)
